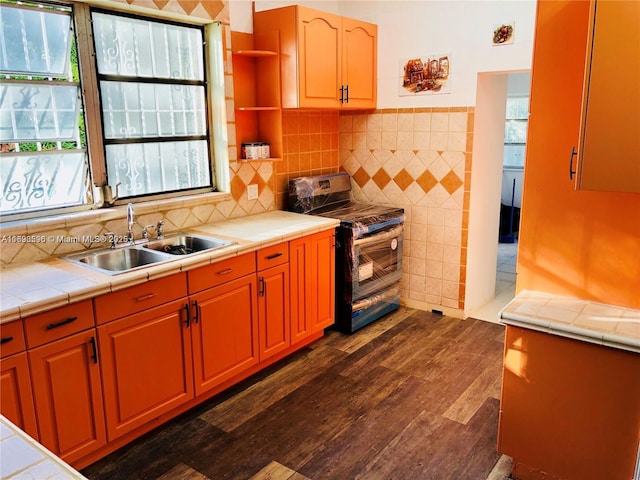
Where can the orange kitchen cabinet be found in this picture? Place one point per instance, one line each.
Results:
(16, 396)
(224, 331)
(273, 299)
(273, 309)
(327, 61)
(610, 134)
(580, 244)
(146, 365)
(256, 89)
(312, 280)
(68, 395)
(569, 409)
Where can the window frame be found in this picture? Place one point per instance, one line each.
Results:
(215, 136)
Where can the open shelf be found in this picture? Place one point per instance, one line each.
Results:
(256, 85)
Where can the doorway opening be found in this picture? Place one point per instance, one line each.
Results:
(501, 116)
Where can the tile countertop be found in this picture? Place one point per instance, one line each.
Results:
(598, 323)
(32, 288)
(24, 458)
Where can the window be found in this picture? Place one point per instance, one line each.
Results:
(515, 131)
(152, 89)
(43, 160)
(146, 110)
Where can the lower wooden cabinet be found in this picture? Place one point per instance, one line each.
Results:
(273, 310)
(68, 395)
(312, 284)
(224, 332)
(16, 397)
(146, 366)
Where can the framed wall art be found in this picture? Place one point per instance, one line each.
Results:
(430, 74)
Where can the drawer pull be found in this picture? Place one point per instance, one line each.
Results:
(4, 340)
(51, 326)
(145, 297)
(275, 255)
(94, 349)
(225, 272)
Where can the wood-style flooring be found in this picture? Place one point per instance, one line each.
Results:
(411, 396)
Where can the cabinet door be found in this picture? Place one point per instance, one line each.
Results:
(16, 397)
(322, 288)
(299, 277)
(320, 58)
(359, 63)
(68, 395)
(611, 130)
(273, 310)
(224, 332)
(146, 366)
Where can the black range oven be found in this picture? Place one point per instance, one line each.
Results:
(368, 247)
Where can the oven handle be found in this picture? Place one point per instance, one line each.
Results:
(394, 232)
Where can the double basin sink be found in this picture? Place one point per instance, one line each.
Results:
(154, 252)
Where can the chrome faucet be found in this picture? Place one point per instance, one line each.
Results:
(130, 222)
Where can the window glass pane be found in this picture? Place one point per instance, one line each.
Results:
(146, 168)
(140, 48)
(34, 42)
(515, 131)
(34, 180)
(517, 108)
(135, 110)
(38, 112)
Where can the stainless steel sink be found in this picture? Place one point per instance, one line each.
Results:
(120, 260)
(186, 244)
(130, 258)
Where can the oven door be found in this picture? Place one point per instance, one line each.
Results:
(376, 261)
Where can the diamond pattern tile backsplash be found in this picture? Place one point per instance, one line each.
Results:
(418, 159)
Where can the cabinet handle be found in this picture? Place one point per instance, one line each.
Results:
(197, 315)
(262, 287)
(347, 92)
(275, 255)
(225, 272)
(94, 349)
(145, 297)
(572, 172)
(188, 320)
(341, 93)
(4, 340)
(51, 326)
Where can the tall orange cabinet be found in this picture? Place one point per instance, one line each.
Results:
(327, 61)
(575, 243)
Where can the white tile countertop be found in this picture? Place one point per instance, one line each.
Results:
(35, 287)
(598, 323)
(22, 458)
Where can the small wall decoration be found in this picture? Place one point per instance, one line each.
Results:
(503, 33)
(426, 75)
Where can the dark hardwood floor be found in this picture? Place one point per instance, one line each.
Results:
(412, 396)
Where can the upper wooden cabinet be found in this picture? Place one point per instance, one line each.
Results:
(610, 135)
(327, 61)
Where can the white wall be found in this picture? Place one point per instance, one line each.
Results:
(484, 205)
(461, 28)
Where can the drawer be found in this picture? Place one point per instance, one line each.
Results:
(221, 272)
(272, 256)
(141, 297)
(11, 338)
(59, 323)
